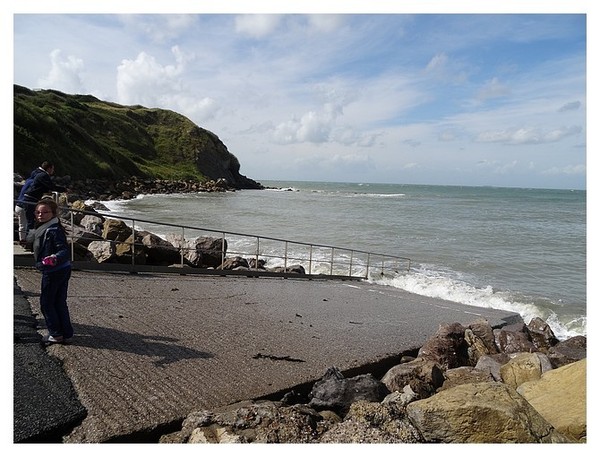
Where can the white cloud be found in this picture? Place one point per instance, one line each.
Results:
(410, 166)
(160, 28)
(448, 135)
(66, 74)
(325, 22)
(527, 135)
(312, 127)
(493, 89)
(257, 25)
(200, 109)
(147, 82)
(437, 64)
(442, 68)
(566, 170)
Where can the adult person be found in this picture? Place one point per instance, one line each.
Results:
(52, 257)
(21, 213)
(41, 184)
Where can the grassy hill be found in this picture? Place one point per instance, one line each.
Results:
(89, 138)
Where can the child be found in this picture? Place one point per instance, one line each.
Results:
(52, 258)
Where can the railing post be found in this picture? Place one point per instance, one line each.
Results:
(331, 265)
(310, 260)
(351, 259)
(182, 245)
(223, 249)
(72, 236)
(257, 252)
(368, 265)
(285, 257)
(133, 242)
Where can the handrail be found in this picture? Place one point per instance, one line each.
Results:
(323, 260)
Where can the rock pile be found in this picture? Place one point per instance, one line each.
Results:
(471, 384)
(94, 189)
(126, 189)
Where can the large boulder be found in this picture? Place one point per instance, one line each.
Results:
(116, 230)
(202, 251)
(568, 351)
(523, 367)
(129, 248)
(560, 397)
(465, 375)
(479, 337)
(424, 377)
(81, 236)
(295, 269)
(371, 422)
(79, 206)
(510, 341)
(492, 364)
(234, 263)
(103, 251)
(487, 412)
(541, 334)
(93, 223)
(335, 392)
(447, 347)
(159, 251)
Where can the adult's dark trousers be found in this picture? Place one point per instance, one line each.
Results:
(30, 204)
(53, 301)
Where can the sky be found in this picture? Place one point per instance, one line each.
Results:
(412, 98)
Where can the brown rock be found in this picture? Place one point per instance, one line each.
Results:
(464, 375)
(423, 376)
(447, 347)
(116, 230)
(487, 412)
(521, 368)
(513, 341)
(541, 334)
(568, 351)
(560, 397)
(479, 337)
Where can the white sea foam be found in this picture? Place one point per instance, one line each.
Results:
(434, 284)
(367, 195)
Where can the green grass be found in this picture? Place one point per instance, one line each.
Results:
(89, 138)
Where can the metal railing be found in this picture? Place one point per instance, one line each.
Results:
(264, 255)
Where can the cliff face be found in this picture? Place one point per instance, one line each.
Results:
(90, 138)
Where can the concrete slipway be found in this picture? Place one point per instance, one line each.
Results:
(151, 348)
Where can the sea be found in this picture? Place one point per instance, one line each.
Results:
(516, 249)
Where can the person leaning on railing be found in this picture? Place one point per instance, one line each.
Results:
(41, 183)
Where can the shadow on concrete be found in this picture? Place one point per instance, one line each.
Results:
(165, 348)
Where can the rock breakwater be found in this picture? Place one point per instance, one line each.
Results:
(467, 384)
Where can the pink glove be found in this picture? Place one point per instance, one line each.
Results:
(49, 261)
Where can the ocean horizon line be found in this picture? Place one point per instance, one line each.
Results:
(460, 186)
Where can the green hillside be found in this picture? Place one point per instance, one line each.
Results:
(89, 138)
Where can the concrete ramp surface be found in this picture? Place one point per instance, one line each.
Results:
(151, 348)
